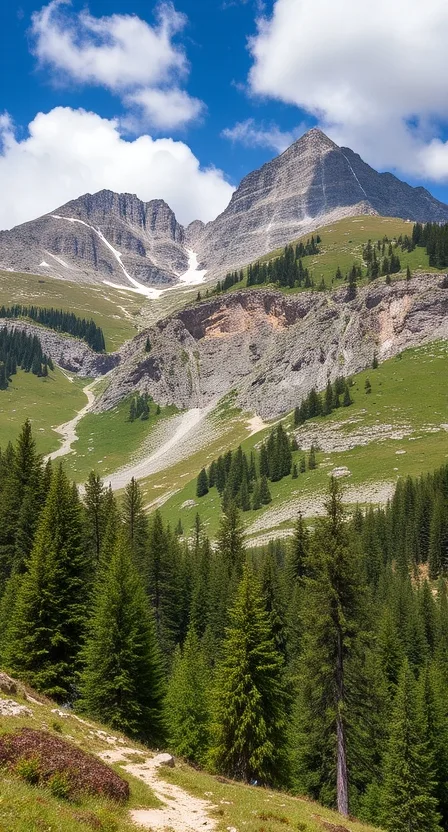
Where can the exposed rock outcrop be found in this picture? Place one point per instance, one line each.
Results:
(272, 348)
(69, 353)
(119, 238)
(313, 183)
(66, 243)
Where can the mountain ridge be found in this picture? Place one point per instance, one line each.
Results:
(119, 239)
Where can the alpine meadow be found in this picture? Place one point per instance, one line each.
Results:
(224, 416)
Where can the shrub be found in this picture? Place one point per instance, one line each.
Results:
(40, 757)
(28, 770)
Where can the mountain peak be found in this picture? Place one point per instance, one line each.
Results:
(316, 136)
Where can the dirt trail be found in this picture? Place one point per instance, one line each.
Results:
(68, 430)
(180, 812)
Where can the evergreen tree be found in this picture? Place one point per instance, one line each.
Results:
(95, 510)
(265, 494)
(251, 704)
(136, 526)
(50, 613)
(187, 706)
(202, 484)
(122, 680)
(332, 620)
(408, 794)
(312, 464)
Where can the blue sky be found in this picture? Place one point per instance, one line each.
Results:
(229, 82)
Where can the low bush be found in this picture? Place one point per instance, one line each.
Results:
(40, 757)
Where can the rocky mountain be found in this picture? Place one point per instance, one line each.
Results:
(120, 239)
(105, 236)
(313, 183)
(272, 348)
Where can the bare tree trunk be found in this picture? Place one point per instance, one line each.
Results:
(341, 767)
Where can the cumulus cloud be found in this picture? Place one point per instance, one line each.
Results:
(123, 53)
(166, 109)
(70, 152)
(374, 75)
(251, 134)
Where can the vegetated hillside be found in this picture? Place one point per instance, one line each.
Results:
(342, 245)
(272, 349)
(120, 239)
(219, 804)
(396, 427)
(264, 666)
(313, 183)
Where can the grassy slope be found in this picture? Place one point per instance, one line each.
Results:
(25, 808)
(46, 401)
(118, 312)
(342, 244)
(405, 392)
(106, 441)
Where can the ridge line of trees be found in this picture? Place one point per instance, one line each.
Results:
(60, 321)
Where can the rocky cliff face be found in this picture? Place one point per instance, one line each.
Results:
(272, 349)
(81, 240)
(69, 353)
(119, 238)
(313, 183)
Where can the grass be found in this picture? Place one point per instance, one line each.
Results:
(45, 401)
(341, 245)
(406, 391)
(28, 808)
(113, 310)
(257, 809)
(107, 441)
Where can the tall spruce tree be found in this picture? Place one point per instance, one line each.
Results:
(409, 777)
(136, 525)
(332, 619)
(251, 703)
(50, 613)
(122, 681)
(187, 704)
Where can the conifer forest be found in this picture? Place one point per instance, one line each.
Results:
(317, 664)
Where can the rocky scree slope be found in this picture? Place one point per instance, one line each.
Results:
(313, 183)
(66, 242)
(70, 353)
(271, 348)
(109, 236)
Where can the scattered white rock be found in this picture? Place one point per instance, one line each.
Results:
(342, 471)
(164, 760)
(189, 504)
(10, 708)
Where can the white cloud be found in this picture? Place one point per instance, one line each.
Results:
(374, 74)
(251, 134)
(71, 152)
(122, 53)
(166, 109)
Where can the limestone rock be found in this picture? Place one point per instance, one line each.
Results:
(7, 685)
(10, 708)
(313, 183)
(163, 760)
(273, 348)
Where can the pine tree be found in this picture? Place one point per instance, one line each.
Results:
(294, 473)
(202, 484)
(136, 526)
(312, 464)
(122, 680)
(251, 704)
(50, 613)
(265, 494)
(408, 793)
(187, 705)
(298, 552)
(332, 619)
(95, 510)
